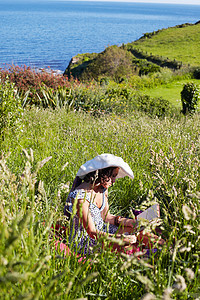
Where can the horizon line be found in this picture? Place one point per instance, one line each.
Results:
(176, 2)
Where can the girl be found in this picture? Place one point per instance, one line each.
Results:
(93, 219)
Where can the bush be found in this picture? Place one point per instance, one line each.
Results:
(190, 96)
(196, 73)
(149, 68)
(158, 107)
(114, 62)
(26, 78)
(106, 96)
(31, 82)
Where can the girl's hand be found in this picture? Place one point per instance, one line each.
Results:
(131, 223)
(130, 239)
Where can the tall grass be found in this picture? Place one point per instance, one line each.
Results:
(165, 157)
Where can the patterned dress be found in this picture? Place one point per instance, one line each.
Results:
(79, 238)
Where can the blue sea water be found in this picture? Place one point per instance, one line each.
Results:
(49, 32)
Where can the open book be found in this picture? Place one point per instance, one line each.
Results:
(150, 213)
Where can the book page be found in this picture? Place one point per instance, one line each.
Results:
(150, 213)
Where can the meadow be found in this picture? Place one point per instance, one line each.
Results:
(175, 43)
(42, 148)
(170, 91)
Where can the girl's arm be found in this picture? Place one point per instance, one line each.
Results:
(88, 224)
(85, 217)
(116, 220)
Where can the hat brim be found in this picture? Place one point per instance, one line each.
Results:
(104, 161)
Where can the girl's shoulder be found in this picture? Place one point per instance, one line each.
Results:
(79, 194)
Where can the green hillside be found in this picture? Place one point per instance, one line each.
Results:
(181, 43)
(174, 48)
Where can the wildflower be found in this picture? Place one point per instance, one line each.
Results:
(48, 257)
(41, 189)
(145, 280)
(189, 228)
(148, 296)
(180, 284)
(167, 293)
(43, 162)
(26, 154)
(63, 167)
(174, 254)
(183, 249)
(189, 273)
(175, 191)
(65, 187)
(188, 214)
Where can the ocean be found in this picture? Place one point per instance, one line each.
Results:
(48, 33)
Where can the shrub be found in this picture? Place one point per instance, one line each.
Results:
(29, 81)
(105, 97)
(148, 69)
(104, 81)
(113, 62)
(196, 73)
(153, 106)
(190, 96)
(123, 100)
(26, 78)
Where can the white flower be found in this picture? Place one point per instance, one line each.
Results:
(187, 212)
(167, 293)
(149, 296)
(189, 229)
(180, 284)
(65, 187)
(145, 280)
(190, 273)
(175, 191)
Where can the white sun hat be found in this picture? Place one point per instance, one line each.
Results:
(104, 161)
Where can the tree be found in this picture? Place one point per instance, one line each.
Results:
(113, 62)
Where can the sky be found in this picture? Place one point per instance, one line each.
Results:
(197, 2)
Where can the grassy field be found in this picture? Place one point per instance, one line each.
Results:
(49, 126)
(165, 158)
(170, 91)
(181, 44)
